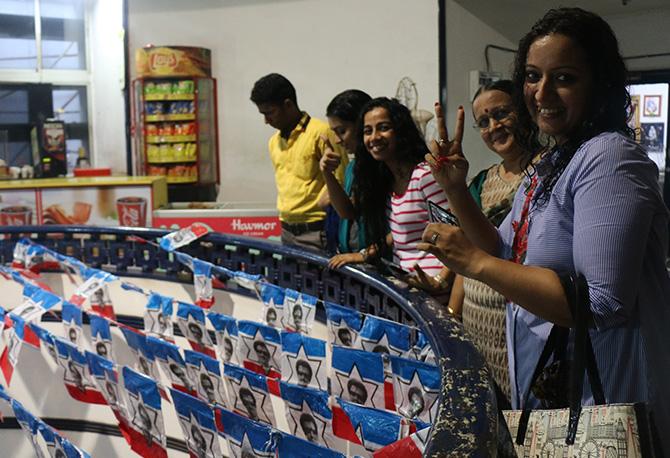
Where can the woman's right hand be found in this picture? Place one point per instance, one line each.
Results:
(447, 162)
(330, 160)
(343, 259)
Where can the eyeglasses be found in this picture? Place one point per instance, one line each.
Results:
(498, 114)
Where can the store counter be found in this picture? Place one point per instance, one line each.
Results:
(100, 201)
(250, 219)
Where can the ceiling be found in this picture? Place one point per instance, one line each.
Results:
(512, 18)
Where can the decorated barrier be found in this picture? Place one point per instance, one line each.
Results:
(382, 341)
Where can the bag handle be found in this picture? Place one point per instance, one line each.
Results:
(577, 295)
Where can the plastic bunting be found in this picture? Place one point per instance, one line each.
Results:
(191, 322)
(304, 360)
(72, 322)
(416, 388)
(246, 438)
(308, 414)
(145, 363)
(202, 283)
(101, 336)
(272, 297)
(259, 348)
(106, 376)
(171, 362)
(294, 447)
(344, 324)
(207, 375)
(358, 376)
(383, 351)
(144, 429)
(225, 330)
(374, 428)
(249, 394)
(412, 446)
(196, 419)
(299, 311)
(158, 316)
(183, 237)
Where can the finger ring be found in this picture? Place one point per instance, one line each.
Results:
(434, 237)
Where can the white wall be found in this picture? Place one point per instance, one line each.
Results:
(643, 33)
(466, 38)
(322, 46)
(107, 84)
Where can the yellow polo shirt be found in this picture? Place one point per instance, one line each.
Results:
(297, 174)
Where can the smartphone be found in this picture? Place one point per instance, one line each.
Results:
(437, 214)
(394, 268)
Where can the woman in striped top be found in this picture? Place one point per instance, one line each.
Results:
(593, 206)
(392, 187)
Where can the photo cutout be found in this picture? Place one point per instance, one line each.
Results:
(197, 423)
(653, 136)
(226, 332)
(249, 395)
(207, 376)
(358, 376)
(299, 311)
(158, 316)
(304, 361)
(260, 348)
(308, 414)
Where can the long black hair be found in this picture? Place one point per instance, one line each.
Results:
(609, 99)
(373, 180)
(347, 105)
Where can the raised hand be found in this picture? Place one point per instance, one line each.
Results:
(330, 160)
(447, 162)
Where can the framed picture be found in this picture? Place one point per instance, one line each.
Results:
(652, 105)
(653, 134)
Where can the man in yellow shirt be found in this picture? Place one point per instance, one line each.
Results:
(295, 151)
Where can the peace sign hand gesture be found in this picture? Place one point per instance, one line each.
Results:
(446, 159)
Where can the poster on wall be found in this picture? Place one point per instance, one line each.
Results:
(108, 206)
(649, 119)
(18, 207)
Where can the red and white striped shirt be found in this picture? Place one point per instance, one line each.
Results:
(408, 217)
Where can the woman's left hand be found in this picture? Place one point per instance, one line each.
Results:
(450, 245)
(428, 283)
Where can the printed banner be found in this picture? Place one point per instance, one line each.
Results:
(295, 447)
(308, 414)
(77, 378)
(145, 431)
(248, 394)
(299, 311)
(145, 362)
(375, 428)
(272, 297)
(197, 423)
(344, 324)
(246, 438)
(106, 376)
(207, 375)
(260, 348)
(416, 388)
(158, 316)
(202, 283)
(101, 336)
(358, 376)
(168, 356)
(183, 237)
(191, 322)
(409, 447)
(225, 330)
(303, 360)
(72, 321)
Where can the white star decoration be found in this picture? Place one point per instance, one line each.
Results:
(216, 381)
(369, 345)
(293, 416)
(374, 390)
(249, 344)
(83, 372)
(245, 446)
(404, 403)
(183, 326)
(290, 360)
(154, 416)
(234, 387)
(211, 444)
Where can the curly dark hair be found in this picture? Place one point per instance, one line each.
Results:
(610, 101)
(273, 89)
(347, 105)
(373, 180)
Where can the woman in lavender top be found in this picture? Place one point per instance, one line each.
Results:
(591, 205)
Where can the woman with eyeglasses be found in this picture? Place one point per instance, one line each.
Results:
(493, 189)
(590, 205)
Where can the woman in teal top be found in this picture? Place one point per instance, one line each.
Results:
(342, 113)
